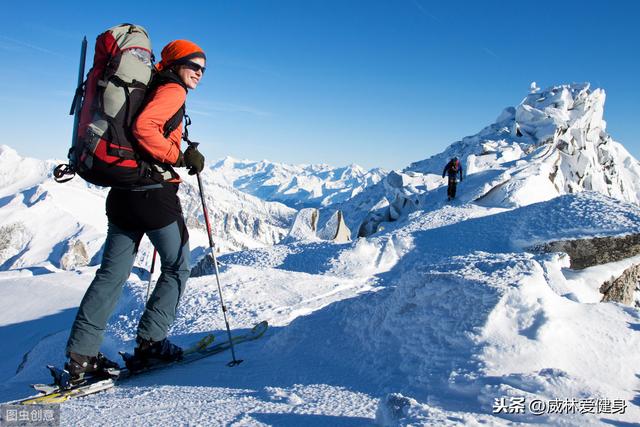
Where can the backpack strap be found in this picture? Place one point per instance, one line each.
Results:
(162, 78)
(175, 120)
(152, 169)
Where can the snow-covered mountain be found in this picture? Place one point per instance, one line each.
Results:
(240, 220)
(47, 226)
(441, 314)
(553, 143)
(297, 186)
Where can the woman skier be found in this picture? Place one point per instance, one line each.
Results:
(153, 210)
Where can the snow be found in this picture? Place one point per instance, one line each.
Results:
(562, 143)
(304, 226)
(444, 310)
(296, 186)
(32, 202)
(422, 311)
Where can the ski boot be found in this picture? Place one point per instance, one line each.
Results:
(80, 367)
(149, 353)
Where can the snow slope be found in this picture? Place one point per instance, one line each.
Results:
(443, 313)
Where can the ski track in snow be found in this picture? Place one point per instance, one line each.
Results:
(317, 404)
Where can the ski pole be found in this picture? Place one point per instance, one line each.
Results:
(153, 265)
(235, 361)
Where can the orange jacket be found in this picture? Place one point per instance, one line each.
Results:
(149, 126)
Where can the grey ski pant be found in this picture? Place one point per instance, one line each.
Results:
(104, 292)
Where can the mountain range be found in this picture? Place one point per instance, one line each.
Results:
(436, 312)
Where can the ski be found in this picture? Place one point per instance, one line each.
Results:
(53, 393)
(62, 390)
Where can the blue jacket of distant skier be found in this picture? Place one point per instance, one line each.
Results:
(452, 168)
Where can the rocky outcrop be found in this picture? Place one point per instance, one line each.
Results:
(304, 227)
(402, 198)
(598, 250)
(335, 229)
(14, 238)
(378, 214)
(623, 288)
(204, 267)
(75, 256)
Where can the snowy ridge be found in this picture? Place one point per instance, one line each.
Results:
(553, 143)
(297, 186)
(560, 133)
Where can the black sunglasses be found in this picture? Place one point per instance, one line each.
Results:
(195, 67)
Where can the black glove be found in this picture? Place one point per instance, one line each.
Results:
(180, 162)
(194, 160)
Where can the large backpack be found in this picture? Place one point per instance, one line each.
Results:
(105, 151)
(454, 165)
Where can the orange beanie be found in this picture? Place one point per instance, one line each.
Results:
(179, 50)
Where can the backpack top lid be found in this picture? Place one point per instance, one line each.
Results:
(130, 36)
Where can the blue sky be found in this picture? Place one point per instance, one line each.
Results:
(377, 83)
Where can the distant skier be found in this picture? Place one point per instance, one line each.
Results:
(452, 169)
(152, 210)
